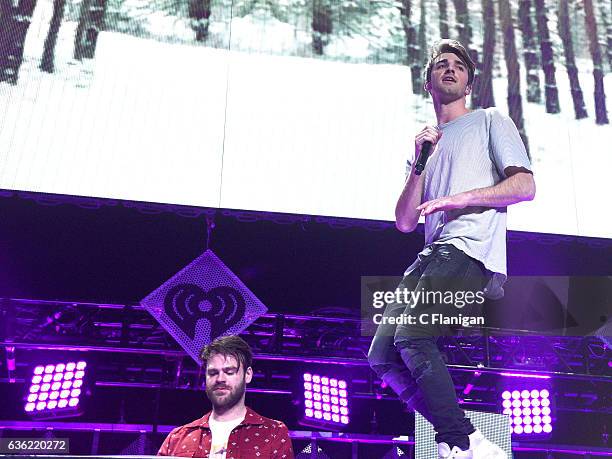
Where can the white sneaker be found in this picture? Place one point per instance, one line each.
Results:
(445, 452)
(480, 448)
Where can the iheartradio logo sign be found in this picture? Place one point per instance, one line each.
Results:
(201, 302)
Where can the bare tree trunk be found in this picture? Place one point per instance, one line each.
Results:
(422, 39)
(570, 61)
(605, 9)
(46, 63)
(551, 93)
(321, 25)
(477, 82)
(412, 47)
(601, 113)
(515, 104)
(488, 51)
(14, 24)
(91, 22)
(199, 14)
(444, 32)
(464, 28)
(532, 63)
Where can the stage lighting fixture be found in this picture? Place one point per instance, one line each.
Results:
(55, 390)
(529, 406)
(324, 400)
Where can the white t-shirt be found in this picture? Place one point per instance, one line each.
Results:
(220, 434)
(474, 152)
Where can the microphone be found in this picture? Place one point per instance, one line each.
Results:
(423, 157)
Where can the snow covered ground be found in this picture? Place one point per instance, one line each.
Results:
(181, 124)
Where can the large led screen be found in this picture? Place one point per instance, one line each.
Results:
(298, 106)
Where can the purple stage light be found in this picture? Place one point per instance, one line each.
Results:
(525, 375)
(51, 393)
(528, 409)
(325, 400)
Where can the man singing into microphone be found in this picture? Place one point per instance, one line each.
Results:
(478, 166)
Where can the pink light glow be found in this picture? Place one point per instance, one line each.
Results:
(525, 375)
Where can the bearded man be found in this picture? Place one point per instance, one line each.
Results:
(231, 430)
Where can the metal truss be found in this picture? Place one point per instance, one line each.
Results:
(132, 350)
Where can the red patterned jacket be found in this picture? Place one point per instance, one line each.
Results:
(256, 437)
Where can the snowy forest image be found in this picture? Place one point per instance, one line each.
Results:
(195, 101)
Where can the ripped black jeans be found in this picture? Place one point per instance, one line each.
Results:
(407, 358)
